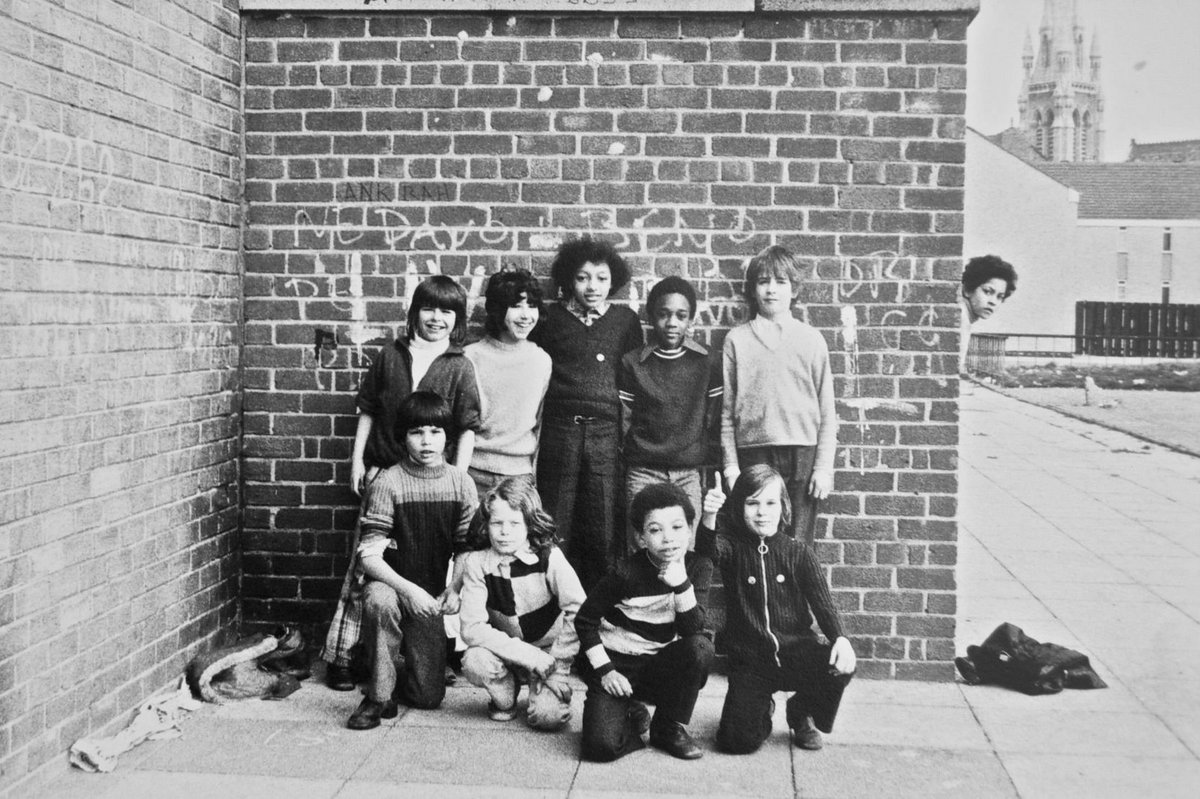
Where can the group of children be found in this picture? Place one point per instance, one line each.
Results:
(565, 404)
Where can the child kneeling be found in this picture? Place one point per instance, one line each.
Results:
(519, 601)
(774, 586)
(642, 631)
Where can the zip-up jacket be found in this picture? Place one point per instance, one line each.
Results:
(774, 587)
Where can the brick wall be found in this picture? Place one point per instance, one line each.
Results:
(119, 333)
(385, 147)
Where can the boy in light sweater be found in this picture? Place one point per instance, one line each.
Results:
(779, 407)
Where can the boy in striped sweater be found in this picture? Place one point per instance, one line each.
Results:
(642, 633)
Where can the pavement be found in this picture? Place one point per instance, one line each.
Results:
(1082, 536)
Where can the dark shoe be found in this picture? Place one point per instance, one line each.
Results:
(806, 735)
(339, 678)
(673, 739)
(639, 717)
(369, 712)
(450, 677)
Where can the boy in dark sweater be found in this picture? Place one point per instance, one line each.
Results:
(774, 586)
(642, 633)
(416, 516)
(670, 393)
(577, 469)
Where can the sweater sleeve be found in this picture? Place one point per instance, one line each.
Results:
(564, 584)
(728, 401)
(600, 601)
(692, 621)
(467, 408)
(468, 504)
(828, 432)
(371, 385)
(817, 594)
(633, 333)
(711, 546)
(476, 628)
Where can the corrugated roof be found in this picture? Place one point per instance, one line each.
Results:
(1144, 190)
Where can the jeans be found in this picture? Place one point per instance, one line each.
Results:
(389, 632)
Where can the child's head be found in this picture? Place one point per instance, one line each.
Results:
(987, 281)
(772, 282)
(759, 501)
(513, 304)
(423, 418)
(588, 270)
(662, 515)
(511, 518)
(671, 307)
(438, 310)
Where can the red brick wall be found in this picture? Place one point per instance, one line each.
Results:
(119, 334)
(384, 147)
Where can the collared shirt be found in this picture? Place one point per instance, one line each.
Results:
(584, 314)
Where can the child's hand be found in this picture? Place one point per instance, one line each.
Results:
(358, 473)
(543, 665)
(558, 685)
(673, 574)
(450, 601)
(420, 604)
(616, 684)
(842, 658)
(820, 485)
(714, 500)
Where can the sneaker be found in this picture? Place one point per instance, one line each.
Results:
(369, 712)
(639, 717)
(673, 739)
(807, 736)
(497, 713)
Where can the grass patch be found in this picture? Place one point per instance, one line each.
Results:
(1146, 377)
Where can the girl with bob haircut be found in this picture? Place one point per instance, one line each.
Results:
(513, 374)
(518, 606)
(429, 357)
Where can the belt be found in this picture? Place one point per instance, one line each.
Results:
(579, 419)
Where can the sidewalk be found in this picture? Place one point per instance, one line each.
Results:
(1080, 535)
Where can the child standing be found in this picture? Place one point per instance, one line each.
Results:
(586, 336)
(642, 632)
(416, 517)
(779, 407)
(670, 393)
(513, 375)
(429, 357)
(519, 601)
(774, 586)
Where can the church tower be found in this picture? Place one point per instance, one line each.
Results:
(1061, 103)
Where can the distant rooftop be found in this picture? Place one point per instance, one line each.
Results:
(1144, 190)
(1177, 152)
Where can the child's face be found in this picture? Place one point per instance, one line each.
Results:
(426, 445)
(671, 320)
(665, 534)
(986, 298)
(593, 282)
(773, 294)
(435, 324)
(519, 321)
(506, 528)
(764, 509)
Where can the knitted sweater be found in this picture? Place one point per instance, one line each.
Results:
(389, 380)
(512, 379)
(417, 518)
(771, 595)
(778, 390)
(518, 606)
(583, 381)
(633, 612)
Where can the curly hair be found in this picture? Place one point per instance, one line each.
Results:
(442, 292)
(983, 268)
(752, 480)
(656, 496)
(504, 290)
(520, 495)
(776, 261)
(574, 253)
(671, 285)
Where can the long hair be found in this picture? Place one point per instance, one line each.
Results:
(752, 480)
(442, 292)
(520, 495)
(504, 290)
(776, 261)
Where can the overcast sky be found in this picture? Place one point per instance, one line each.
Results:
(1150, 72)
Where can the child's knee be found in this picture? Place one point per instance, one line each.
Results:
(700, 651)
(482, 666)
(734, 740)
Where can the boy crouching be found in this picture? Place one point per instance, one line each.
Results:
(642, 633)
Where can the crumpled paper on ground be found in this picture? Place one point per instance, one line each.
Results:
(157, 719)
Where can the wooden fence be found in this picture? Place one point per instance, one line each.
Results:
(1138, 329)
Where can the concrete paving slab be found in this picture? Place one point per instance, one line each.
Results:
(360, 789)
(1109, 776)
(900, 772)
(1074, 731)
(125, 784)
(1116, 698)
(902, 693)
(950, 728)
